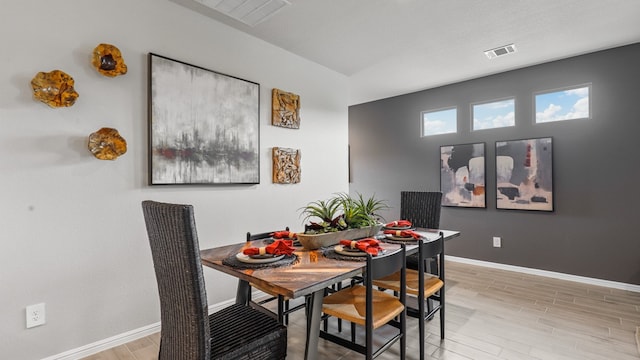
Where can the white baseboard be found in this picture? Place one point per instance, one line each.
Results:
(120, 339)
(550, 274)
(98, 346)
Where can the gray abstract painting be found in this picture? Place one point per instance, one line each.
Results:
(203, 125)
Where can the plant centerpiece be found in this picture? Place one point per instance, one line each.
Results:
(340, 217)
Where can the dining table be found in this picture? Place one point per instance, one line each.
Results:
(308, 276)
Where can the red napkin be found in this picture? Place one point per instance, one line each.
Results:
(369, 245)
(399, 223)
(284, 234)
(403, 233)
(278, 247)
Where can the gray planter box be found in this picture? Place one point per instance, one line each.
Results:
(317, 241)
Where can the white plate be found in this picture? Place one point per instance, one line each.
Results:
(398, 227)
(249, 260)
(399, 238)
(342, 251)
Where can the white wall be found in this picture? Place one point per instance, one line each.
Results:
(72, 229)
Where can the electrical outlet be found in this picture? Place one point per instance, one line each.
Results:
(497, 241)
(35, 315)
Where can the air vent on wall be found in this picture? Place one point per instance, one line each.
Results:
(500, 51)
(249, 12)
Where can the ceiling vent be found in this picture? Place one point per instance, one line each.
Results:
(500, 51)
(249, 12)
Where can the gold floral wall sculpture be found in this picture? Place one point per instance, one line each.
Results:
(107, 144)
(107, 59)
(285, 109)
(286, 166)
(54, 88)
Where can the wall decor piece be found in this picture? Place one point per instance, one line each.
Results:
(54, 88)
(524, 174)
(203, 125)
(286, 165)
(462, 180)
(107, 59)
(285, 109)
(107, 144)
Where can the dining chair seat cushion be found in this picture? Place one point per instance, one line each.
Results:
(392, 282)
(349, 304)
(241, 332)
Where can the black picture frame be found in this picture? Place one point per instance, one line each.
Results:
(203, 125)
(462, 175)
(524, 174)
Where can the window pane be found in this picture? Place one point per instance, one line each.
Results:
(563, 105)
(494, 114)
(439, 122)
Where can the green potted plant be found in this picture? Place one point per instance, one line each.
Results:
(340, 217)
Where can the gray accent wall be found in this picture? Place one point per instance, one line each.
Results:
(594, 230)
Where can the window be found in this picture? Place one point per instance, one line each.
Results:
(437, 122)
(494, 114)
(567, 104)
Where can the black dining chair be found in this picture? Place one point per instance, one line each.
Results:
(422, 208)
(364, 305)
(188, 331)
(284, 309)
(423, 286)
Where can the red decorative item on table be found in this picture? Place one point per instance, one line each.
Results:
(278, 247)
(403, 233)
(399, 223)
(368, 245)
(284, 234)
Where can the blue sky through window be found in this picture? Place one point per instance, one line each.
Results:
(563, 105)
(439, 122)
(494, 114)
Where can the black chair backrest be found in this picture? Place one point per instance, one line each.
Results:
(384, 265)
(431, 249)
(264, 235)
(183, 300)
(422, 208)
(378, 267)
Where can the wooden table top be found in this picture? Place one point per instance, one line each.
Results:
(312, 272)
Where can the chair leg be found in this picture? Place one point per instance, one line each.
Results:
(403, 339)
(442, 313)
(353, 332)
(421, 321)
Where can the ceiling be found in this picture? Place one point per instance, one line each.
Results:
(393, 47)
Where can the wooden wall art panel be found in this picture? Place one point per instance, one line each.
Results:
(286, 166)
(285, 109)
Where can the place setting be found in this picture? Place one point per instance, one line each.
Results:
(399, 225)
(283, 235)
(278, 253)
(354, 250)
(400, 231)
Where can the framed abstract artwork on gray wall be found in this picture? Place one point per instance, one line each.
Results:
(203, 126)
(524, 174)
(462, 180)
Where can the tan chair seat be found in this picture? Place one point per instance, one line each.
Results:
(392, 282)
(349, 304)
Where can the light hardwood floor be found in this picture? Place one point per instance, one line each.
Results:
(493, 314)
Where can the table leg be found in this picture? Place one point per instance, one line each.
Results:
(313, 325)
(242, 294)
